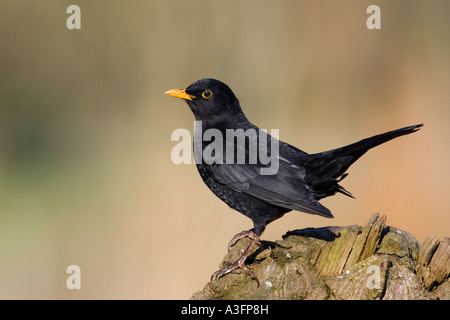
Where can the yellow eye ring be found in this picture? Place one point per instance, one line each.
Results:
(207, 94)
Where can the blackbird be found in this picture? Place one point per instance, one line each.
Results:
(301, 179)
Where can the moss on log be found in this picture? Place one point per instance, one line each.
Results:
(373, 262)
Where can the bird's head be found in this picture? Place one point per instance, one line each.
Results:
(208, 98)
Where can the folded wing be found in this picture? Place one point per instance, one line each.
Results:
(286, 188)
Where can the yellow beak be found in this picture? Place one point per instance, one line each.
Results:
(178, 93)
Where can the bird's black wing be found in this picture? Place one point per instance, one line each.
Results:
(286, 188)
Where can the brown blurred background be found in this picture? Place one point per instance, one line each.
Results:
(86, 176)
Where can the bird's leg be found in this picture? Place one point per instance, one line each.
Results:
(240, 263)
(247, 233)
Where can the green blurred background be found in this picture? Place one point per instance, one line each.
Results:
(86, 176)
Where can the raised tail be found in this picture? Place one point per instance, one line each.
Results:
(328, 168)
(357, 149)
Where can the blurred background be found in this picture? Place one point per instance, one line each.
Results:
(86, 176)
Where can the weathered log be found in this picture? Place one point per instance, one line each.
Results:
(434, 261)
(371, 262)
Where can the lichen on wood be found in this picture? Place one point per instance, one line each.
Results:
(372, 262)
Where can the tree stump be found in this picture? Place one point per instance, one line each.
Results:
(373, 262)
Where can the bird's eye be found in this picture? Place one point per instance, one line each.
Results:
(207, 94)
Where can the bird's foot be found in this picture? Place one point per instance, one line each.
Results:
(240, 264)
(247, 233)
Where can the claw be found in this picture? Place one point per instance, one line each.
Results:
(237, 265)
(240, 264)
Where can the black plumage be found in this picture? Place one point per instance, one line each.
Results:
(300, 181)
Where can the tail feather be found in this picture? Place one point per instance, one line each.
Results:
(342, 190)
(326, 167)
(357, 149)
